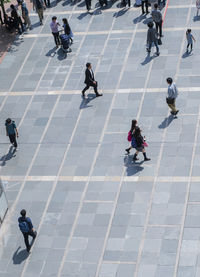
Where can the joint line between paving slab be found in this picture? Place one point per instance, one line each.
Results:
(64, 156)
(90, 172)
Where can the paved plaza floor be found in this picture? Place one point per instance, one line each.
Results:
(97, 214)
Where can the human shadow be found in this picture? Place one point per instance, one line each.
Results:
(51, 52)
(148, 58)
(82, 15)
(8, 156)
(35, 25)
(196, 18)
(86, 101)
(186, 54)
(121, 12)
(82, 4)
(167, 121)
(139, 18)
(20, 256)
(63, 55)
(132, 167)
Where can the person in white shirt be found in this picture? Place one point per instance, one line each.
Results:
(54, 29)
(172, 94)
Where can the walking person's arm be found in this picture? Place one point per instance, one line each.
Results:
(16, 131)
(193, 38)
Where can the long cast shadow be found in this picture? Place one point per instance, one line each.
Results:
(86, 101)
(20, 256)
(132, 167)
(8, 156)
(166, 122)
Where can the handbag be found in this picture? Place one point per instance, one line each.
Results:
(159, 41)
(170, 100)
(129, 137)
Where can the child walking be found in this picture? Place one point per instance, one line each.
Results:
(190, 39)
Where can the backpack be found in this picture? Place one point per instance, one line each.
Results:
(23, 226)
(133, 143)
(129, 137)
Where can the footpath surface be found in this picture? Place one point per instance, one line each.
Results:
(97, 213)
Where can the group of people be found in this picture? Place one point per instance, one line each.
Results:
(19, 18)
(54, 25)
(134, 135)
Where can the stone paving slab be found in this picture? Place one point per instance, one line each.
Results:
(97, 213)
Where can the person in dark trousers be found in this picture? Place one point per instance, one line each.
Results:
(172, 94)
(17, 19)
(67, 29)
(54, 29)
(38, 5)
(88, 4)
(131, 132)
(26, 227)
(152, 37)
(9, 23)
(103, 2)
(138, 143)
(11, 131)
(190, 40)
(144, 3)
(90, 81)
(157, 18)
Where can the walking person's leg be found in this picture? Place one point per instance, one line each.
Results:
(191, 46)
(135, 156)
(84, 90)
(146, 5)
(13, 140)
(40, 14)
(188, 46)
(26, 240)
(145, 156)
(156, 23)
(142, 6)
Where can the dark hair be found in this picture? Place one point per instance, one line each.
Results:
(88, 65)
(188, 31)
(169, 80)
(150, 24)
(156, 5)
(137, 132)
(65, 21)
(133, 124)
(54, 17)
(23, 213)
(12, 6)
(8, 120)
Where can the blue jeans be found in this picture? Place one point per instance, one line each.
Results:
(156, 45)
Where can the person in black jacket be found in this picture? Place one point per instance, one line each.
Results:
(17, 19)
(90, 81)
(139, 144)
(67, 29)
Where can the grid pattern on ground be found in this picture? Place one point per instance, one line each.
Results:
(97, 213)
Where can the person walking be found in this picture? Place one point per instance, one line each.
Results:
(190, 39)
(152, 37)
(67, 29)
(11, 131)
(172, 94)
(90, 81)
(25, 13)
(198, 7)
(144, 3)
(54, 29)
(130, 134)
(138, 142)
(88, 5)
(17, 19)
(38, 5)
(157, 18)
(26, 227)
